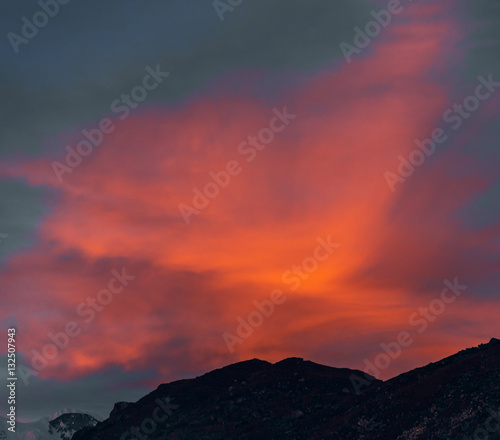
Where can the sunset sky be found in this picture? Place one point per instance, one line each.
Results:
(212, 92)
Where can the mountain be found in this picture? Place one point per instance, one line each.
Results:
(61, 428)
(64, 426)
(455, 398)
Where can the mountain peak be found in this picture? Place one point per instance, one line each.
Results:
(290, 361)
(63, 427)
(66, 425)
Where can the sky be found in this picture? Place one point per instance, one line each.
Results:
(185, 185)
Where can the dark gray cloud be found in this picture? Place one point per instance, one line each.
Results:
(42, 397)
(483, 43)
(21, 207)
(90, 53)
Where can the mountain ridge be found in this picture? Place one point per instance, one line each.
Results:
(299, 399)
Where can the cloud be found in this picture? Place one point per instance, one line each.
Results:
(94, 394)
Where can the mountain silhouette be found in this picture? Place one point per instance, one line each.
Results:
(455, 398)
(61, 427)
